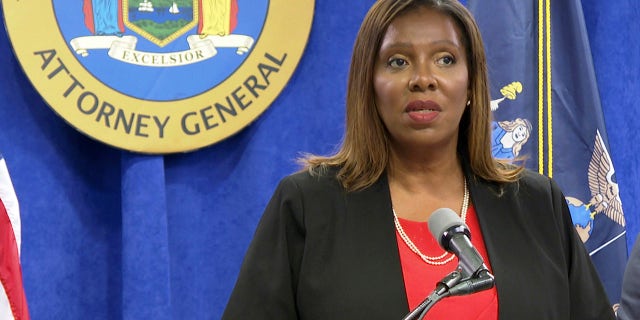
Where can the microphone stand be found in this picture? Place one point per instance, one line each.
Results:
(451, 285)
(441, 291)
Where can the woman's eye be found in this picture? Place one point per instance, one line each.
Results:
(397, 63)
(447, 60)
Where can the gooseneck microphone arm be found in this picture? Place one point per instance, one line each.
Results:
(471, 275)
(484, 280)
(441, 291)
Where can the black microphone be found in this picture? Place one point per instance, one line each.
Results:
(470, 276)
(453, 235)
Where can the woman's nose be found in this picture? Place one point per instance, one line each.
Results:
(422, 79)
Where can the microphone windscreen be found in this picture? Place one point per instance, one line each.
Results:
(442, 220)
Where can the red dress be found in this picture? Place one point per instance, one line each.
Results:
(420, 278)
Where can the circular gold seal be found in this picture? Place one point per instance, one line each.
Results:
(159, 76)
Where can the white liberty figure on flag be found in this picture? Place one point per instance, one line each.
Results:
(508, 137)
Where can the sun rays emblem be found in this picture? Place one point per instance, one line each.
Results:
(163, 22)
(605, 196)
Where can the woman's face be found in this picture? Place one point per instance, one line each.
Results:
(519, 133)
(421, 79)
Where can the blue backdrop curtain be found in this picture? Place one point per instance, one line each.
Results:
(109, 234)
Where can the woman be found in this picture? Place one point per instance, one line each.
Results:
(336, 240)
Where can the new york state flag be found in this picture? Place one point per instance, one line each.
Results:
(546, 109)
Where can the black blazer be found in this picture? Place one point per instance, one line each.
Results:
(322, 253)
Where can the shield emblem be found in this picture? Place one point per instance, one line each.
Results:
(160, 21)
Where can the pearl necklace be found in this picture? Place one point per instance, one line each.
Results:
(442, 259)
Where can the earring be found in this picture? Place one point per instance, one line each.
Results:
(468, 103)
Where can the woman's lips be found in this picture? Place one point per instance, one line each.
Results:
(422, 111)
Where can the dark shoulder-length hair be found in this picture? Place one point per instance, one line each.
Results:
(364, 153)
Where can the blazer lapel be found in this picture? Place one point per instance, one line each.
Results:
(371, 210)
(500, 219)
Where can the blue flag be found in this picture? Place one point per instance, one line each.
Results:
(546, 109)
